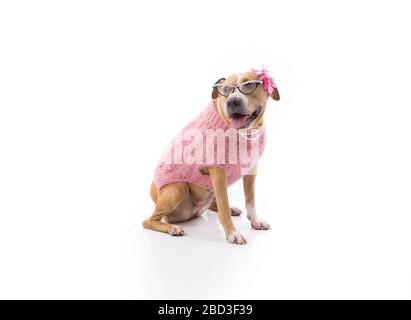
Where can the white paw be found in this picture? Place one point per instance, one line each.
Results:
(175, 230)
(236, 238)
(259, 224)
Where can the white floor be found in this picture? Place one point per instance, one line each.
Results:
(203, 265)
(105, 253)
(295, 259)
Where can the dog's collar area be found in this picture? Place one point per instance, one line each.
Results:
(251, 134)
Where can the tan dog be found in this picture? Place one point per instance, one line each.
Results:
(182, 201)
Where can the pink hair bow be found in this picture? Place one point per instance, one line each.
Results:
(268, 81)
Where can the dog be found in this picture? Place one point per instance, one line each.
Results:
(185, 186)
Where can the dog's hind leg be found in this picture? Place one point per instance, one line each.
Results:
(154, 192)
(167, 200)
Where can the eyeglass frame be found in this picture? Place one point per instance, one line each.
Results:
(236, 86)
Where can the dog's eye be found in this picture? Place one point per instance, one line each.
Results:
(225, 89)
(248, 87)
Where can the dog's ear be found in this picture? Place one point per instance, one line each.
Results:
(214, 93)
(275, 94)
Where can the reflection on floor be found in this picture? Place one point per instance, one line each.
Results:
(201, 264)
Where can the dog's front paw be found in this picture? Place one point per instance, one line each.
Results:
(260, 224)
(175, 230)
(236, 238)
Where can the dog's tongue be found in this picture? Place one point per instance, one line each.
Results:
(238, 122)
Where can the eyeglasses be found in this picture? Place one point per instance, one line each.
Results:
(247, 87)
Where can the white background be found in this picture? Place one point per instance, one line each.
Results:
(91, 92)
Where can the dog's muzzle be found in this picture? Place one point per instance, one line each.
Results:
(237, 104)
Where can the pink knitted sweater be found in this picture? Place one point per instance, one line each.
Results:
(207, 141)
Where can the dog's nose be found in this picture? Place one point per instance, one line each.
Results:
(234, 103)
